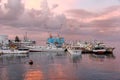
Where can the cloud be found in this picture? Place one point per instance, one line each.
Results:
(55, 6)
(12, 10)
(73, 23)
(63, 5)
(32, 19)
(102, 25)
(87, 17)
(14, 7)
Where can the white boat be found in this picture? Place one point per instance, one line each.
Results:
(13, 51)
(103, 50)
(99, 49)
(75, 50)
(48, 48)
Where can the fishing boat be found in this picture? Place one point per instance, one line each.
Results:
(54, 44)
(74, 50)
(48, 48)
(101, 48)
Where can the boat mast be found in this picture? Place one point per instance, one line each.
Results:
(25, 37)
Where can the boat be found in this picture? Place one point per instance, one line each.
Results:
(54, 44)
(109, 49)
(101, 48)
(48, 48)
(74, 50)
(57, 41)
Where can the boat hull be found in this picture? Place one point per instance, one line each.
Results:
(104, 51)
(47, 50)
(99, 51)
(14, 52)
(75, 52)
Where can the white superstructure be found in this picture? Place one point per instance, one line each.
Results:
(48, 48)
(74, 50)
(3, 39)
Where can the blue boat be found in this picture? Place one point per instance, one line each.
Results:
(57, 41)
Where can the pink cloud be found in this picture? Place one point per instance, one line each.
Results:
(74, 24)
(63, 4)
(109, 15)
(87, 17)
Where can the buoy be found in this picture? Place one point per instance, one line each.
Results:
(31, 62)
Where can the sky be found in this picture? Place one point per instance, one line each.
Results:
(72, 19)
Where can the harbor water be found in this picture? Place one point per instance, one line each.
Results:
(60, 66)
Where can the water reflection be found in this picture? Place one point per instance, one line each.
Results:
(59, 66)
(3, 73)
(57, 72)
(12, 67)
(101, 58)
(34, 75)
(6, 60)
(49, 66)
(76, 59)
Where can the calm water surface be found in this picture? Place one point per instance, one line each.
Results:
(60, 66)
